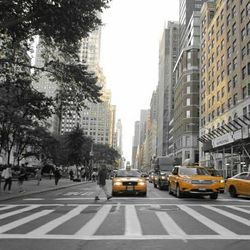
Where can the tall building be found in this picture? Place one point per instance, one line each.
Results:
(186, 95)
(48, 87)
(168, 52)
(186, 9)
(136, 140)
(119, 136)
(225, 86)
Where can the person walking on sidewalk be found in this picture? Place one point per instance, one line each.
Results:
(38, 175)
(57, 175)
(7, 175)
(21, 178)
(101, 183)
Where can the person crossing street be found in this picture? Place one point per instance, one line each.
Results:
(101, 183)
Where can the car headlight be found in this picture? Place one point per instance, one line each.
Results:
(222, 181)
(141, 183)
(187, 181)
(215, 181)
(163, 177)
(117, 183)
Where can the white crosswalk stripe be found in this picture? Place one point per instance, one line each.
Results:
(132, 224)
(230, 215)
(55, 223)
(91, 227)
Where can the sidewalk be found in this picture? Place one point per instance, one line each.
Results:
(31, 187)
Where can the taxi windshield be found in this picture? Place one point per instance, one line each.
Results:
(193, 171)
(128, 173)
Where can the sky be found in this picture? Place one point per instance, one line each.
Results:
(129, 56)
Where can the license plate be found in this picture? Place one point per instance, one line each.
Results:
(130, 188)
(202, 189)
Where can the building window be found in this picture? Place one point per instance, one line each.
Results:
(222, 45)
(244, 72)
(229, 52)
(248, 9)
(248, 28)
(234, 29)
(222, 75)
(222, 108)
(235, 99)
(235, 80)
(228, 19)
(248, 87)
(229, 86)
(218, 111)
(188, 89)
(188, 114)
(229, 102)
(244, 92)
(228, 35)
(222, 92)
(233, 12)
(218, 95)
(248, 48)
(243, 53)
(234, 45)
(188, 102)
(242, 15)
(222, 60)
(243, 34)
(234, 63)
(229, 69)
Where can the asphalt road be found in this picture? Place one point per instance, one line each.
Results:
(70, 219)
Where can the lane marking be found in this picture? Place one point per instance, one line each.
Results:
(24, 220)
(7, 207)
(207, 222)
(92, 226)
(169, 225)
(57, 222)
(238, 209)
(132, 223)
(125, 237)
(3, 216)
(229, 215)
(34, 199)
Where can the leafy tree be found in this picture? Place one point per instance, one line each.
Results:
(61, 25)
(22, 109)
(79, 147)
(105, 153)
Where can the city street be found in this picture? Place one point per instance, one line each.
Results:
(70, 219)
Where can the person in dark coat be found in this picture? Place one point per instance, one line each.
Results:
(21, 178)
(101, 183)
(57, 175)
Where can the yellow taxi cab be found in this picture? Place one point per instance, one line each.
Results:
(193, 180)
(239, 184)
(219, 177)
(129, 182)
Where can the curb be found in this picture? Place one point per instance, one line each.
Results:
(19, 195)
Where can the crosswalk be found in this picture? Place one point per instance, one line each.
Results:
(125, 221)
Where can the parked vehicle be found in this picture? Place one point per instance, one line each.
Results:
(239, 184)
(193, 180)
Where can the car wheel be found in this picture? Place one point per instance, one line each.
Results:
(233, 192)
(178, 192)
(160, 186)
(144, 194)
(113, 193)
(214, 196)
(155, 185)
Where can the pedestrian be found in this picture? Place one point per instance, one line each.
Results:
(71, 175)
(21, 177)
(101, 183)
(57, 175)
(7, 175)
(38, 175)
